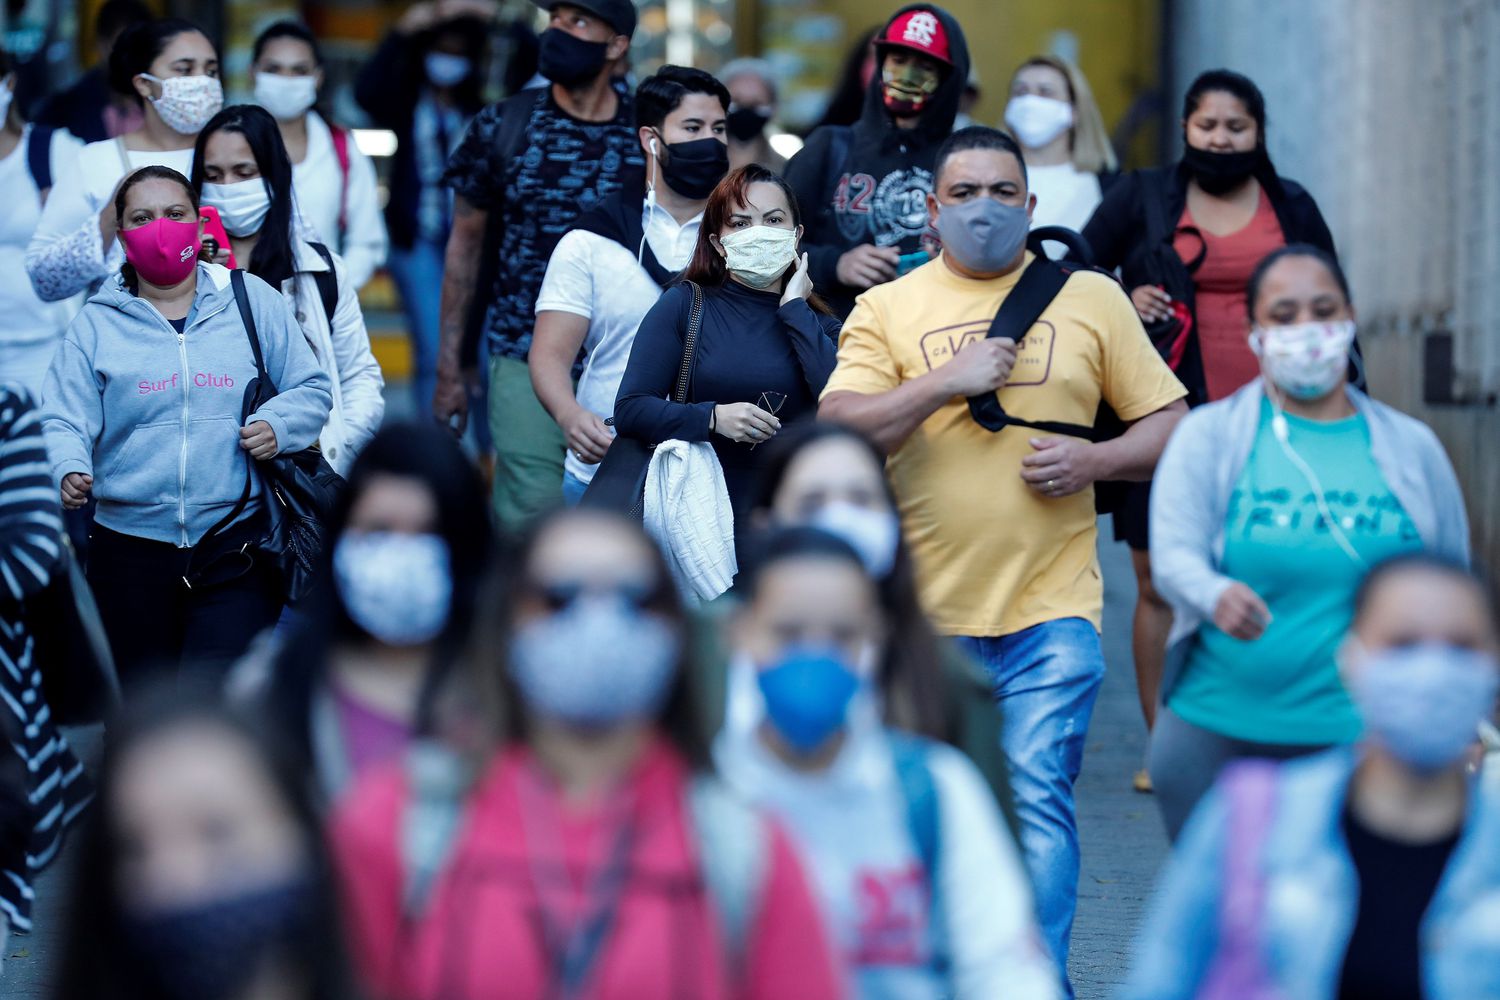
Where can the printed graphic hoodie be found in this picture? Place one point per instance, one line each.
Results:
(154, 415)
(868, 182)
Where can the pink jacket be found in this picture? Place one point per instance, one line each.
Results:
(480, 934)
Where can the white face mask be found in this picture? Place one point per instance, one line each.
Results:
(1037, 120)
(874, 534)
(759, 255)
(187, 102)
(242, 206)
(286, 97)
(1304, 360)
(445, 69)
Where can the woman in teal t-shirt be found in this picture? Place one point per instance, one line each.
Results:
(1272, 504)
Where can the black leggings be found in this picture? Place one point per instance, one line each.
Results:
(157, 623)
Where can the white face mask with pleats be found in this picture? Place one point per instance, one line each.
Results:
(759, 255)
(242, 205)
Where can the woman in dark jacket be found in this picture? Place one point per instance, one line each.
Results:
(1221, 209)
(766, 346)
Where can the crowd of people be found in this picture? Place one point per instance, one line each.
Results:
(749, 648)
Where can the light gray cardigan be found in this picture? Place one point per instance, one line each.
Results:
(1202, 463)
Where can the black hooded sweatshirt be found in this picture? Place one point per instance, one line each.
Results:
(868, 182)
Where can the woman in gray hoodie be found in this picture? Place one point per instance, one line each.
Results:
(143, 412)
(1268, 508)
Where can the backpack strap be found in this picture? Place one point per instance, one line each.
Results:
(924, 821)
(340, 139)
(734, 854)
(1039, 284)
(39, 156)
(327, 282)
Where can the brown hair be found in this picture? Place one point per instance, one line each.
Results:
(707, 267)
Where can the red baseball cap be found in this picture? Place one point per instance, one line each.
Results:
(920, 31)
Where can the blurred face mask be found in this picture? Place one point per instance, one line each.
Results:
(212, 950)
(242, 205)
(397, 587)
(874, 534)
(187, 102)
(982, 234)
(1424, 703)
(1037, 120)
(759, 255)
(444, 69)
(1305, 360)
(907, 88)
(286, 97)
(807, 692)
(744, 124)
(597, 663)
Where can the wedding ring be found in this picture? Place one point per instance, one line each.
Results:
(1051, 484)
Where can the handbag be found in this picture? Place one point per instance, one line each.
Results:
(70, 647)
(1158, 263)
(620, 481)
(301, 488)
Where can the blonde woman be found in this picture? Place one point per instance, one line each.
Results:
(1053, 116)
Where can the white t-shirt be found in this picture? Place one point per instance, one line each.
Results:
(318, 185)
(1065, 196)
(594, 277)
(849, 822)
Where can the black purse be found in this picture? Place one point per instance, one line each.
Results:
(301, 488)
(619, 483)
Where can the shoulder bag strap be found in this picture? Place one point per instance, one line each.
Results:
(1034, 292)
(1159, 229)
(327, 282)
(39, 156)
(242, 300)
(689, 345)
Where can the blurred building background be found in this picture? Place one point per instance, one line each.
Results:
(1388, 111)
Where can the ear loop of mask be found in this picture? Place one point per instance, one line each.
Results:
(1283, 432)
(640, 251)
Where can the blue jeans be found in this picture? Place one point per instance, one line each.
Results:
(418, 273)
(1046, 679)
(573, 488)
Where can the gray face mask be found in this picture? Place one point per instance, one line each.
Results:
(982, 234)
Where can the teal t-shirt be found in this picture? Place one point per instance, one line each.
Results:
(1284, 687)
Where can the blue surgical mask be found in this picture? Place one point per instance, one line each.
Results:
(807, 692)
(982, 234)
(598, 662)
(1424, 703)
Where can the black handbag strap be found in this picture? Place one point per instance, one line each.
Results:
(242, 300)
(689, 345)
(1039, 284)
(1158, 229)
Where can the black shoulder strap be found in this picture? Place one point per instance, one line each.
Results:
(39, 155)
(515, 115)
(689, 345)
(1159, 229)
(1034, 292)
(242, 299)
(327, 282)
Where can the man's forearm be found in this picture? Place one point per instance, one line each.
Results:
(889, 418)
(460, 275)
(1132, 456)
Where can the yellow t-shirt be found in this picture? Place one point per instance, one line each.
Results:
(993, 555)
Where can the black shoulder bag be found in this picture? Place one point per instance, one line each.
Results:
(300, 487)
(1156, 262)
(620, 481)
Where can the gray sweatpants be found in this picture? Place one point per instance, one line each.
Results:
(1185, 760)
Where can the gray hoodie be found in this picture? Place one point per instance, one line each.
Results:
(154, 415)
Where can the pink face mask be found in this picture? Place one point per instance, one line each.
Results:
(163, 252)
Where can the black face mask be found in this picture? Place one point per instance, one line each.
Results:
(745, 124)
(1220, 173)
(693, 169)
(567, 60)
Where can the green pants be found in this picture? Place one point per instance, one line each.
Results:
(529, 447)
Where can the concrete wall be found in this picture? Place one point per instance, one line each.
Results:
(1389, 112)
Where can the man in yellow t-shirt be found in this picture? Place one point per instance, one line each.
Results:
(1001, 523)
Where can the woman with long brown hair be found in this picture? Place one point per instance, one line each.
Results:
(765, 344)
